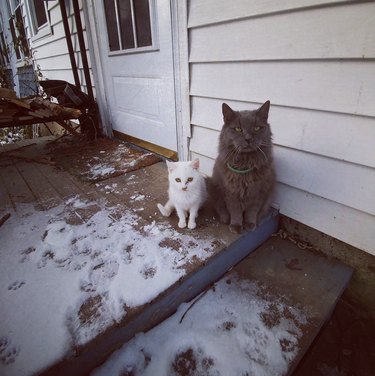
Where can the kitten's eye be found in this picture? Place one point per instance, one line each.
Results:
(178, 180)
(256, 129)
(238, 129)
(190, 179)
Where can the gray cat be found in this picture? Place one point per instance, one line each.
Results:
(243, 177)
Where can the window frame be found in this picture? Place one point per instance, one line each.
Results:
(15, 10)
(4, 49)
(38, 32)
(153, 27)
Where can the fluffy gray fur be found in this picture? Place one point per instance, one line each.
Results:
(243, 198)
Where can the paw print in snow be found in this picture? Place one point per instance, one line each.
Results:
(8, 352)
(103, 273)
(4, 343)
(16, 285)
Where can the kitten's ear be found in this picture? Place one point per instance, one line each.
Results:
(262, 112)
(171, 166)
(228, 113)
(195, 164)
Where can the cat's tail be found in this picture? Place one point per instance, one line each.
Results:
(167, 209)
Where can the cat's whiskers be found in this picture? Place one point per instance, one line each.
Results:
(230, 154)
(265, 156)
(237, 151)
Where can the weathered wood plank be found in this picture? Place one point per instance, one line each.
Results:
(203, 12)
(314, 34)
(61, 182)
(344, 137)
(6, 204)
(44, 193)
(16, 186)
(346, 87)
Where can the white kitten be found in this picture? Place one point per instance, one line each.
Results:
(187, 192)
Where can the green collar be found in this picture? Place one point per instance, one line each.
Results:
(237, 171)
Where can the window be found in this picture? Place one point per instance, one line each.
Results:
(14, 37)
(129, 24)
(40, 13)
(4, 57)
(23, 43)
(39, 18)
(17, 29)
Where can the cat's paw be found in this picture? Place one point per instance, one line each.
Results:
(236, 229)
(162, 210)
(182, 224)
(192, 225)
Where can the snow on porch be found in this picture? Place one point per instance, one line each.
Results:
(79, 258)
(85, 267)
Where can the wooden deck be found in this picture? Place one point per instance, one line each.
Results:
(33, 180)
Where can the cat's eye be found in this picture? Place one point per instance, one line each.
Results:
(178, 180)
(190, 180)
(238, 129)
(256, 129)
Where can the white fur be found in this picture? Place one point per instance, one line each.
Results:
(184, 196)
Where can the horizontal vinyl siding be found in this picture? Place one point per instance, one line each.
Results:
(340, 136)
(345, 87)
(342, 183)
(207, 12)
(329, 217)
(290, 36)
(315, 63)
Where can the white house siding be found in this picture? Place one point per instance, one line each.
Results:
(314, 60)
(51, 51)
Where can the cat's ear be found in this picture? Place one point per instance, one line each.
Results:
(262, 112)
(171, 166)
(195, 164)
(228, 113)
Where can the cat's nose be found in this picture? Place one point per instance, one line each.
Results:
(184, 188)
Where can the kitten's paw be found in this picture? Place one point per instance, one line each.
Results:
(181, 224)
(192, 225)
(162, 210)
(236, 229)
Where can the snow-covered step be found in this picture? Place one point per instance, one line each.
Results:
(259, 319)
(149, 315)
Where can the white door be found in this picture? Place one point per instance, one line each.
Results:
(135, 46)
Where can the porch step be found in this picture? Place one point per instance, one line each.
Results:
(168, 302)
(260, 318)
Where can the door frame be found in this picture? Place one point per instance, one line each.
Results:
(180, 65)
